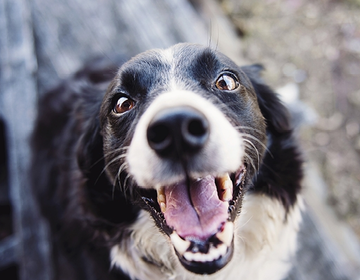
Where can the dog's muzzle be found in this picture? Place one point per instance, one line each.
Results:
(187, 150)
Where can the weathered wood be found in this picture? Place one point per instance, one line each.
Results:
(8, 249)
(70, 32)
(18, 93)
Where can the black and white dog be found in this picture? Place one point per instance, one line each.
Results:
(184, 168)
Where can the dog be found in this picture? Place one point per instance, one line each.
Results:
(177, 164)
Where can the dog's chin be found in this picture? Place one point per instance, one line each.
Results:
(198, 217)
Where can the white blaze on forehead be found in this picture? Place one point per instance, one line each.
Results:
(223, 152)
(168, 55)
(168, 58)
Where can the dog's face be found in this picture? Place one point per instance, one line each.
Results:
(184, 135)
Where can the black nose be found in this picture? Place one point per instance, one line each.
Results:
(177, 131)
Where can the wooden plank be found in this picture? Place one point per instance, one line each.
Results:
(18, 93)
(8, 251)
(69, 32)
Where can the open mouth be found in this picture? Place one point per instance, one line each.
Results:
(198, 215)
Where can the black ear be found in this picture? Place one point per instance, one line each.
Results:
(281, 172)
(90, 148)
(91, 83)
(275, 113)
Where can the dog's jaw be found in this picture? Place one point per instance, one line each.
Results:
(196, 210)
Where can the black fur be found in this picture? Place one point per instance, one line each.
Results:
(281, 171)
(87, 212)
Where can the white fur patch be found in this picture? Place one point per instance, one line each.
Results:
(223, 153)
(264, 245)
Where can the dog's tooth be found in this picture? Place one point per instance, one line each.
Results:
(161, 199)
(163, 207)
(179, 244)
(226, 236)
(198, 257)
(225, 187)
(227, 194)
(222, 249)
(189, 256)
(214, 254)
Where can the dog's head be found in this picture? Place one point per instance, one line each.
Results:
(183, 133)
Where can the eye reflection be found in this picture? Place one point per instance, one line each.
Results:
(123, 105)
(226, 82)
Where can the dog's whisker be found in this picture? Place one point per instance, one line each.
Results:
(258, 141)
(256, 150)
(249, 153)
(117, 178)
(248, 128)
(121, 169)
(110, 153)
(210, 33)
(125, 185)
(119, 157)
(251, 161)
(121, 150)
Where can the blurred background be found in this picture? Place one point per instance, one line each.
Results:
(311, 53)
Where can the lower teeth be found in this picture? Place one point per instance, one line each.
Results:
(179, 244)
(183, 247)
(212, 255)
(226, 235)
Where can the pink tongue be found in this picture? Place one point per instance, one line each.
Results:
(198, 214)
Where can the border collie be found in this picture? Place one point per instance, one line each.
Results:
(185, 167)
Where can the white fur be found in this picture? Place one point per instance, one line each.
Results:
(265, 241)
(218, 156)
(167, 56)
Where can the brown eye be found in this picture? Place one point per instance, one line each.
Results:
(123, 105)
(226, 82)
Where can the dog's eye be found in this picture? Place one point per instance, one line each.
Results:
(226, 82)
(123, 105)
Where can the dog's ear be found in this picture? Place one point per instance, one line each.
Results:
(275, 113)
(90, 148)
(91, 83)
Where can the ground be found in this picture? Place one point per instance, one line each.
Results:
(314, 45)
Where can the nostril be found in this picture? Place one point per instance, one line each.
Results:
(195, 132)
(197, 127)
(159, 136)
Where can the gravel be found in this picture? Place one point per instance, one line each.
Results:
(316, 46)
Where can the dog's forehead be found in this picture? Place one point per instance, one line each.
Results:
(180, 55)
(182, 66)
(180, 59)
